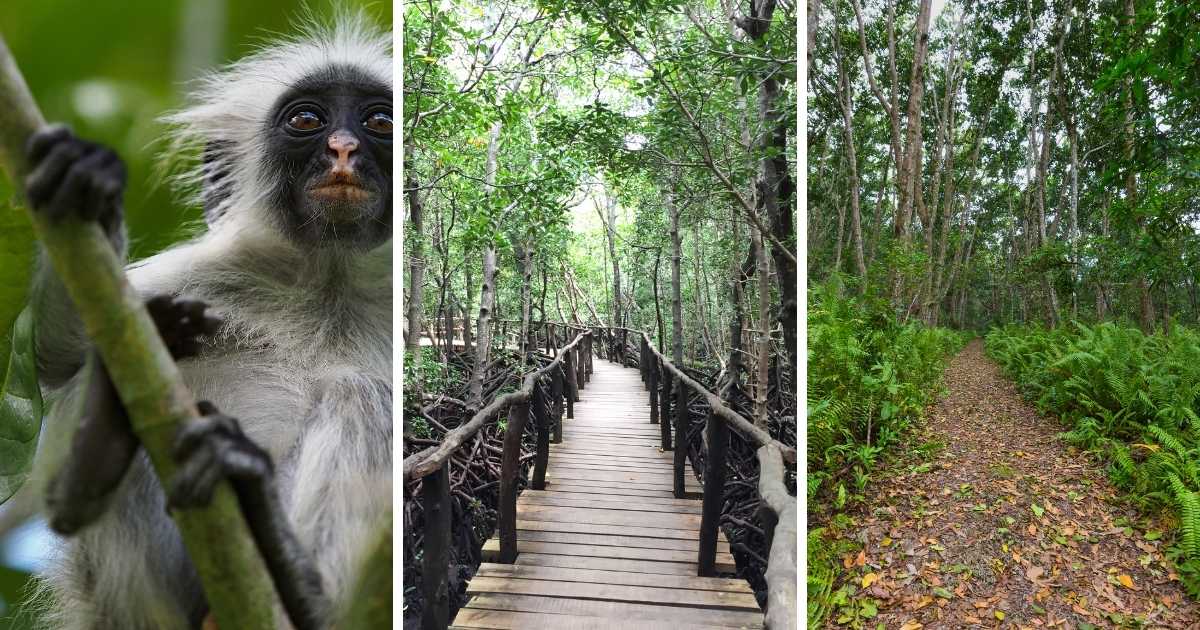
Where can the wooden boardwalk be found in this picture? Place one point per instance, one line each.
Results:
(606, 545)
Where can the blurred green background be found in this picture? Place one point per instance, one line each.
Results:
(109, 70)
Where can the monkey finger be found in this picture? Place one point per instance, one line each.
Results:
(98, 184)
(72, 196)
(245, 462)
(195, 433)
(47, 176)
(195, 480)
(40, 143)
(206, 408)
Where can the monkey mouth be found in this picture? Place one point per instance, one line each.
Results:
(341, 192)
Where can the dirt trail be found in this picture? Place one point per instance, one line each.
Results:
(1004, 526)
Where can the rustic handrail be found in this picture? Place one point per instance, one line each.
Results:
(781, 560)
(733, 418)
(424, 462)
(431, 466)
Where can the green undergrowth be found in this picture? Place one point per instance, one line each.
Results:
(869, 380)
(1130, 398)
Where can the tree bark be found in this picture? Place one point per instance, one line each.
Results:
(416, 267)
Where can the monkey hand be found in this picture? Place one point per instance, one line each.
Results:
(104, 444)
(70, 177)
(213, 448)
(210, 449)
(181, 322)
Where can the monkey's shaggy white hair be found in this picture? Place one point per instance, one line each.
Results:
(220, 134)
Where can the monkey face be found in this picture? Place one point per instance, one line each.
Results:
(329, 151)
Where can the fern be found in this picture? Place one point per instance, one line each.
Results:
(1188, 505)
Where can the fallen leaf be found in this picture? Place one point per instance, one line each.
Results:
(861, 559)
(1125, 580)
(911, 624)
(1037, 511)
(1000, 615)
(869, 579)
(1034, 572)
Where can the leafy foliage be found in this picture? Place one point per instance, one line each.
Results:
(869, 379)
(1129, 397)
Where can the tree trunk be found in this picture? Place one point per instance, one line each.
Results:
(611, 232)
(416, 269)
(676, 286)
(774, 186)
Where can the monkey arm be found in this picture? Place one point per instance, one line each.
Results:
(104, 442)
(214, 448)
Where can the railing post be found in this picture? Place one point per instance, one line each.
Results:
(435, 497)
(542, 422)
(681, 447)
(664, 403)
(717, 436)
(572, 389)
(642, 365)
(556, 394)
(588, 372)
(518, 415)
(581, 364)
(652, 367)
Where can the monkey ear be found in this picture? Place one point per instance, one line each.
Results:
(216, 187)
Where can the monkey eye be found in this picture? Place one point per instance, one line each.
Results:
(379, 122)
(305, 120)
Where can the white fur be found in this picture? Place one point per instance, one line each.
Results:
(303, 361)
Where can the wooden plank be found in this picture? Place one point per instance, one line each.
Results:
(566, 486)
(682, 617)
(616, 592)
(645, 505)
(510, 620)
(612, 517)
(580, 479)
(589, 538)
(594, 528)
(574, 460)
(644, 468)
(594, 576)
(491, 553)
(564, 471)
(559, 492)
(608, 564)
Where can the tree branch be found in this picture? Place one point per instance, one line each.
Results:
(235, 580)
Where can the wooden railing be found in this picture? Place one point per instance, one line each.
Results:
(668, 386)
(781, 574)
(563, 377)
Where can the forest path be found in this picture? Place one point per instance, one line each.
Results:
(607, 545)
(1000, 523)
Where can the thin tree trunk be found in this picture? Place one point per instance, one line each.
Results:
(416, 269)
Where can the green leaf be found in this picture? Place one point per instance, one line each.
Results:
(1037, 511)
(20, 409)
(943, 593)
(17, 249)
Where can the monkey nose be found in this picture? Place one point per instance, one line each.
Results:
(342, 144)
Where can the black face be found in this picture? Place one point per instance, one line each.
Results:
(330, 142)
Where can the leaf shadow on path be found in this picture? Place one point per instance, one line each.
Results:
(987, 519)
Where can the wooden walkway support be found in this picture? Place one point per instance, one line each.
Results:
(606, 544)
